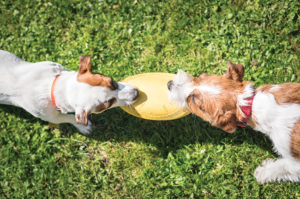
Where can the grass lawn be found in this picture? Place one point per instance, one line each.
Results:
(129, 157)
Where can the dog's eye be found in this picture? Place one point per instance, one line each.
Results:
(114, 85)
(112, 101)
(103, 106)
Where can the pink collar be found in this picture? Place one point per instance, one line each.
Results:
(247, 111)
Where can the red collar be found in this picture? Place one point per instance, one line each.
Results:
(247, 112)
(52, 92)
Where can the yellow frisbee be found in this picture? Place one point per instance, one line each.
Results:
(153, 102)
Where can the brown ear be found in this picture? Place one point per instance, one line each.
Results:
(235, 71)
(105, 105)
(199, 106)
(226, 122)
(82, 118)
(84, 64)
(195, 102)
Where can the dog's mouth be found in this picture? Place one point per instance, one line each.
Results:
(136, 95)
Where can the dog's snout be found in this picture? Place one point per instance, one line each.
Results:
(170, 84)
(136, 94)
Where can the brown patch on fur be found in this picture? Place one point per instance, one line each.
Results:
(264, 88)
(288, 93)
(86, 75)
(295, 141)
(105, 105)
(285, 93)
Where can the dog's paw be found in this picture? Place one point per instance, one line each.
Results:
(86, 130)
(264, 173)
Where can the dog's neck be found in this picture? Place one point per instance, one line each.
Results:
(244, 105)
(64, 90)
(247, 112)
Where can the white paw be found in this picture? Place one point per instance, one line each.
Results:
(264, 173)
(84, 129)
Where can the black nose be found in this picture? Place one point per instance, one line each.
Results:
(136, 94)
(170, 84)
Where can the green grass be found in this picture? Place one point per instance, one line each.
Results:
(129, 157)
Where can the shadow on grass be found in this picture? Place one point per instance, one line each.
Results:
(169, 136)
(118, 126)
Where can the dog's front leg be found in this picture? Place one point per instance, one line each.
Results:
(81, 116)
(82, 123)
(71, 118)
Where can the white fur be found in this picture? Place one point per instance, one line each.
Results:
(28, 85)
(275, 88)
(213, 90)
(276, 121)
(182, 88)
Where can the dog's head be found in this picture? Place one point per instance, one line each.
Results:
(97, 92)
(214, 98)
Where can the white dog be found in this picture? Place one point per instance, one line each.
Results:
(50, 92)
(226, 101)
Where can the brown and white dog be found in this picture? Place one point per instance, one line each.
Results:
(49, 91)
(226, 101)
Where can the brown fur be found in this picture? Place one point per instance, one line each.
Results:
(219, 110)
(105, 105)
(286, 93)
(264, 88)
(295, 141)
(86, 75)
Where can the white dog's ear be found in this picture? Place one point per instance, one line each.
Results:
(183, 77)
(180, 72)
(85, 64)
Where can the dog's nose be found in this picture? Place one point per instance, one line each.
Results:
(170, 84)
(136, 94)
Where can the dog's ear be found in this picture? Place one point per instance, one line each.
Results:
(195, 102)
(226, 122)
(82, 117)
(84, 64)
(235, 71)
